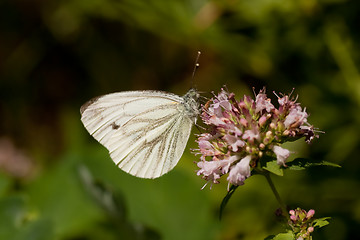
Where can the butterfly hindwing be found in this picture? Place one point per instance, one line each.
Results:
(153, 149)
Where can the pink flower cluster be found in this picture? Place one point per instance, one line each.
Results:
(242, 132)
(301, 222)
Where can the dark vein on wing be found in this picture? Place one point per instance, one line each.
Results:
(149, 144)
(140, 120)
(163, 144)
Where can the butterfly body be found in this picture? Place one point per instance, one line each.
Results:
(145, 132)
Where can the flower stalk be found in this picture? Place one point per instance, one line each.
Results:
(277, 195)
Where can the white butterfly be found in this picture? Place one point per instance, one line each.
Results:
(146, 132)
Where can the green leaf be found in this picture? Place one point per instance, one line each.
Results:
(37, 230)
(5, 183)
(112, 203)
(303, 163)
(226, 199)
(12, 215)
(281, 236)
(321, 222)
(58, 196)
(274, 168)
(17, 223)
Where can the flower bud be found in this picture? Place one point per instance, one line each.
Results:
(310, 213)
(300, 223)
(286, 132)
(280, 126)
(262, 120)
(244, 122)
(269, 134)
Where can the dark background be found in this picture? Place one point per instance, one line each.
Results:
(55, 55)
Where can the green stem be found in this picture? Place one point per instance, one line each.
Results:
(277, 196)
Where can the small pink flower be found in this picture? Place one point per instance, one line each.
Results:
(234, 142)
(263, 102)
(284, 100)
(221, 101)
(240, 171)
(250, 135)
(211, 170)
(236, 131)
(296, 117)
(230, 161)
(282, 154)
(206, 147)
(216, 120)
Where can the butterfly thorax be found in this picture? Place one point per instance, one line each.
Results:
(191, 103)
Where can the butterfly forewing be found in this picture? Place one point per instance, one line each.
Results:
(106, 113)
(145, 131)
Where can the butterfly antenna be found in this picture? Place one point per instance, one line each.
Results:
(203, 97)
(200, 128)
(196, 66)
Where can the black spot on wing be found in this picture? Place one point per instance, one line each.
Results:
(114, 126)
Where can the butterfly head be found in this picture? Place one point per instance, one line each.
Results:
(191, 103)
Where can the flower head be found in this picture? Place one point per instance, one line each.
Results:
(241, 132)
(302, 223)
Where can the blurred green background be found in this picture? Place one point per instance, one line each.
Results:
(57, 182)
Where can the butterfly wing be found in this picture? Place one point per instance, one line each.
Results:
(145, 132)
